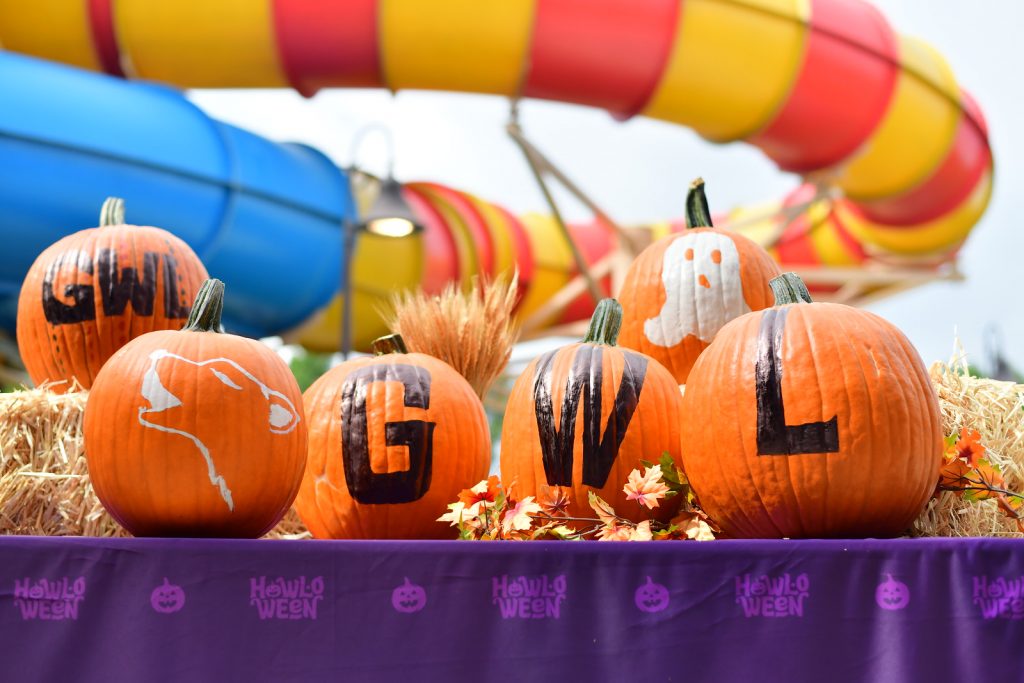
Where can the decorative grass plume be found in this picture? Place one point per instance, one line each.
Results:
(472, 331)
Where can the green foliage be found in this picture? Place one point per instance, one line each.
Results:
(307, 366)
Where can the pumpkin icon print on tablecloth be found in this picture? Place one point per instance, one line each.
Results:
(408, 597)
(651, 597)
(892, 594)
(167, 598)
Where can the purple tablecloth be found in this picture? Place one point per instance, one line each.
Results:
(81, 610)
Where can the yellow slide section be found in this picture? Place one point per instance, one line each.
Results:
(732, 65)
(200, 43)
(465, 45)
(942, 233)
(58, 30)
(915, 134)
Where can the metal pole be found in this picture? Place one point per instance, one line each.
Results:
(348, 245)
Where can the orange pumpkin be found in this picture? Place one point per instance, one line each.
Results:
(91, 292)
(811, 420)
(680, 290)
(585, 415)
(196, 432)
(393, 439)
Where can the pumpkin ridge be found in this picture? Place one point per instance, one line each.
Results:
(930, 414)
(841, 341)
(732, 484)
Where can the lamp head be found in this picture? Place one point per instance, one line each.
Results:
(390, 215)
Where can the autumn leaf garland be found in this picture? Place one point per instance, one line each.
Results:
(966, 472)
(487, 511)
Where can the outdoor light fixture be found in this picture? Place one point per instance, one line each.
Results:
(389, 216)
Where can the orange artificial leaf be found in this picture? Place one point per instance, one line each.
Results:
(484, 492)
(555, 500)
(988, 478)
(968, 447)
(953, 476)
(604, 511)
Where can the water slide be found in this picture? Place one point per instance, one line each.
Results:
(894, 152)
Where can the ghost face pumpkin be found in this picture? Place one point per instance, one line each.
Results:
(167, 598)
(651, 597)
(682, 289)
(408, 597)
(892, 594)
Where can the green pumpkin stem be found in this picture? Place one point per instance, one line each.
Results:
(112, 212)
(790, 289)
(392, 343)
(605, 323)
(207, 309)
(698, 215)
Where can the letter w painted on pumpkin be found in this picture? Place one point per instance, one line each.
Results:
(600, 447)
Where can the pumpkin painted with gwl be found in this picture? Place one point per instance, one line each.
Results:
(195, 432)
(680, 290)
(811, 420)
(393, 438)
(91, 292)
(583, 416)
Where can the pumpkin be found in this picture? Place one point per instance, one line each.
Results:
(811, 420)
(195, 432)
(91, 292)
(393, 439)
(679, 291)
(584, 415)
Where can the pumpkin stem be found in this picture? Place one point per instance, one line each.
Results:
(790, 289)
(698, 215)
(605, 323)
(392, 343)
(207, 309)
(112, 212)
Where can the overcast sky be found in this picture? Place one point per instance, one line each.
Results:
(639, 170)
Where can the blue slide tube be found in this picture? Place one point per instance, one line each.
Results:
(264, 217)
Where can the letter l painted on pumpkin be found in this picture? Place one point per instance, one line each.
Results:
(774, 436)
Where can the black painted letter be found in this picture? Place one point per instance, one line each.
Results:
(56, 311)
(774, 436)
(599, 450)
(365, 485)
(118, 287)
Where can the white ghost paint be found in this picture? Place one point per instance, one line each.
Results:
(281, 418)
(702, 293)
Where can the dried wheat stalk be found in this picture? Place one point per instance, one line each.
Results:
(472, 331)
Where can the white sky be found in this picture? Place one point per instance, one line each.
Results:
(639, 170)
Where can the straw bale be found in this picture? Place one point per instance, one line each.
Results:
(996, 410)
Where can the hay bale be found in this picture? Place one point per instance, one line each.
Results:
(44, 479)
(996, 410)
